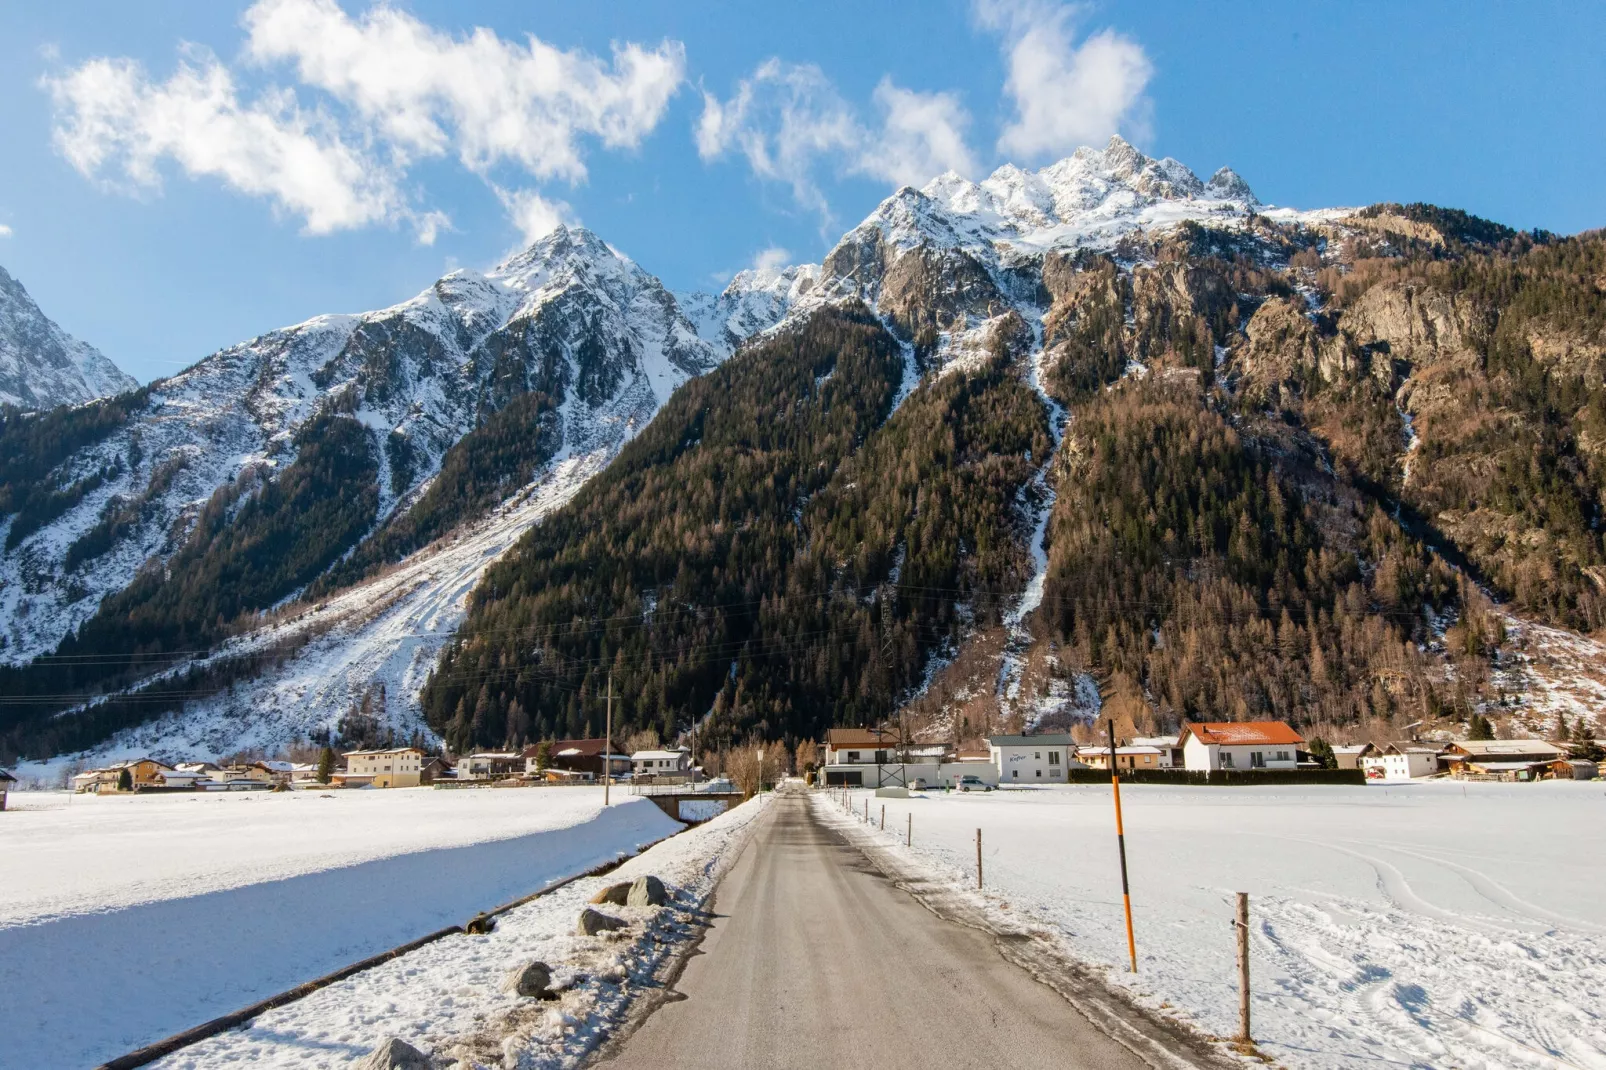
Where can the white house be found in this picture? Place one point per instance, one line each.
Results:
(1031, 759)
(861, 746)
(1240, 745)
(1401, 761)
(660, 763)
(1170, 748)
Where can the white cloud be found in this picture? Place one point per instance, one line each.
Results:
(113, 120)
(489, 100)
(770, 260)
(788, 119)
(533, 214)
(5, 231)
(391, 91)
(1066, 93)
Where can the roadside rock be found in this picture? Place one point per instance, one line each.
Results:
(480, 924)
(533, 979)
(593, 922)
(647, 892)
(617, 894)
(395, 1054)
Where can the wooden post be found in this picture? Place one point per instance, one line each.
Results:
(978, 860)
(1120, 844)
(1242, 925)
(867, 809)
(883, 817)
(607, 747)
(909, 839)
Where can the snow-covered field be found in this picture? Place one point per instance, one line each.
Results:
(1417, 925)
(131, 918)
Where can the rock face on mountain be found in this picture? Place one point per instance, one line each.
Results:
(1103, 433)
(569, 319)
(41, 365)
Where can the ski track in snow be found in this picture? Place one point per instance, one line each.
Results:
(1416, 925)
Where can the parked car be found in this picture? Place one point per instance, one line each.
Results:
(971, 782)
(918, 784)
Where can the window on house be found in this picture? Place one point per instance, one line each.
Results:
(1037, 756)
(1039, 772)
(1257, 760)
(1226, 759)
(1053, 757)
(1015, 773)
(853, 756)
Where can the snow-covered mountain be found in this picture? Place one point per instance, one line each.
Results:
(755, 300)
(569, 316)
(42, 365)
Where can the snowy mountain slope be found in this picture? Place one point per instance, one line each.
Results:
(755, 300)
(569, 317)
(41, 365)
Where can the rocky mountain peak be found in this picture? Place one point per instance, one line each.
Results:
(41, 365)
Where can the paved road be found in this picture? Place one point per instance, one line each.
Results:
(817, 961)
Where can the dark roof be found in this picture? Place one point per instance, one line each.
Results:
(6, 775)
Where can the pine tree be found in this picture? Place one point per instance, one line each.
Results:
(125, 780)
(326, 765)
(1479, 728)
(1321, 752)
(543, 756)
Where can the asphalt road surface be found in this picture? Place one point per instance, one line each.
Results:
(815, 960)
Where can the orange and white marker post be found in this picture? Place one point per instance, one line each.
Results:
(1120, 843)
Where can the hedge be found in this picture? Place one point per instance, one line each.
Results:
(1221, 777)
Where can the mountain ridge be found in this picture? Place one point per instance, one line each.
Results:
(42, 366)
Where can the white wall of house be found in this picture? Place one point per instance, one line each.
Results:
(1034, 764)
(660, 763)
(1395, 767)
(1201, 757)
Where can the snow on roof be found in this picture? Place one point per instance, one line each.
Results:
(392, 750)
(1154, 741)
(1504, 766)
(1490, 748)
(641, 755)
(1242, 733)
(1047, 739)
(1352, 748)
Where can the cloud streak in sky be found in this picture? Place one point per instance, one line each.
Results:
(788, 120)
(389, 90)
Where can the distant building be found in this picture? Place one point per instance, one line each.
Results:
(489, 765)
(1040, 759)
(142, 773)
(1170, 748)
(1406, 760)
(1560, 769)
(1499, 759)
(399, 767)
(1349, 755)
(660, 763)
(1146, 759)
(7, 781)
(861, 746)
(578, 756)
(1240, 746)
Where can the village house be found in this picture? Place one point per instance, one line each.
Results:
(1350, 755)
(398, 767)
(661, 763)
(142, 773)
(880, 757)
(1406, 760)
(1170, 748)
(7, 782)
(861, 746)
(1239, 746)
(1499, 759)
(489, 765)
(578, 756)
(1041, 759)
(1560, 769)
(1145, 759)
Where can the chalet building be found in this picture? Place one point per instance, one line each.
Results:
(1560, 769)
(399, 767)
(490, 765)
(579, 756)
(880, 757)
(1350, 755)
(1127, 759)
(143, 773)
(1404, 760)
(1500, 759)
(1170, 748)
(1041, 759)
(7, 783)
(661, 763)
(861, 746)
(1240, 746)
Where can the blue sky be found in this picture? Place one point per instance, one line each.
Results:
(180, 176)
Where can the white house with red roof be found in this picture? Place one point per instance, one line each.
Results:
(1240, 745)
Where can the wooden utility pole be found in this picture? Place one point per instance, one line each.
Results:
(1242, 925)
(1120, 844)
(978, 860)
(909, 837)
(883, 817)
(607, 746)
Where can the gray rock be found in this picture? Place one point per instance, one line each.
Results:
(480, 924)
(395, 1054)
(647, 892)
(617, 894)
(593, 922)
(532, 979)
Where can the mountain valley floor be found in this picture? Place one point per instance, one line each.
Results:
(1440, 924)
